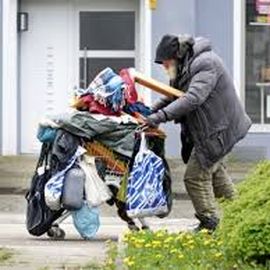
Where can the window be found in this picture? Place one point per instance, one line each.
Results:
(94, 65)
(107, 39)
(258, 60)
(107, 30)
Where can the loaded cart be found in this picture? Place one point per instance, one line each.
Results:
(100, 152)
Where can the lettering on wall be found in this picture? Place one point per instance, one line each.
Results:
(50, 80)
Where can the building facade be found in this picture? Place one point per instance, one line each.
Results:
(48, 47)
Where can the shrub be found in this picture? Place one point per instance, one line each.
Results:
(245, 226)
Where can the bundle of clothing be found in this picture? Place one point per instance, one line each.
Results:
(110, 94)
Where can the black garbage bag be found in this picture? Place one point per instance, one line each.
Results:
(39, 217)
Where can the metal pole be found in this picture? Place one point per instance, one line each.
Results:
(85, 68)
(262, 104)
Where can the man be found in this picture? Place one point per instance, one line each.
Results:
(211, 117)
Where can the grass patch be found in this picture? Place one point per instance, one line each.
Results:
(186, 251)
(5, 255)
(88, 266)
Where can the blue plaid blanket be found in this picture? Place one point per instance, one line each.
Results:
(107, 88)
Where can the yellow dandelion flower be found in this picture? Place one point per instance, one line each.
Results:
(173, 251)
(190, 242)
(110, 261)
(130, 263)
(207, 242)
(126, 260)
(180, 256)
(156, 243)
(219, 243)
(138, 245)
(179, 237)
(204, 231)
(188, 236)
(218, 255)
(159, 235)
(168, 240)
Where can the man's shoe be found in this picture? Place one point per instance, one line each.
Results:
(207, 223)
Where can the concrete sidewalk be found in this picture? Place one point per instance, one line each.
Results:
(32, 253)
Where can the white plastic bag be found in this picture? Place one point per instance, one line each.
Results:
(96, 191)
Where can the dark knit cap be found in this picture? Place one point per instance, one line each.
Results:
(167, 49)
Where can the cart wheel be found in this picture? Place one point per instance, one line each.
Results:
(146, 228)
(56, 233)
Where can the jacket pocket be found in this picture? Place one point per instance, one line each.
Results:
(215, 145)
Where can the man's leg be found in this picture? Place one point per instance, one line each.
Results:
(199, 186)
(222, 182)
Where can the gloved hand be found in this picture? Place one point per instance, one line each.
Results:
(155, 119)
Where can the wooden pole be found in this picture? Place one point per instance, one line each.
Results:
(156, 86)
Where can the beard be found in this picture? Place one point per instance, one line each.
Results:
(172, 71)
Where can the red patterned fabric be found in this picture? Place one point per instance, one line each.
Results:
(131, 95)
(95, 107)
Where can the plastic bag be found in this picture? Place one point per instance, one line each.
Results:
(96, 191)
(73, 189)
(54, 187)
(86, 221)
(145, 192)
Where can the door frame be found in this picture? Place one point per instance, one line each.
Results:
(143, 39)
(1, 70)
(10, 95)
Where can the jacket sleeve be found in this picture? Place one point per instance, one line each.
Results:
(203, 81)
(161, 103)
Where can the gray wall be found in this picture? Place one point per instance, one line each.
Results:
(214, 19)
(1, 46)
(173, 17)
(254, 147)
(209, 18)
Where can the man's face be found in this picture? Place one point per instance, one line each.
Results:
(170, 67)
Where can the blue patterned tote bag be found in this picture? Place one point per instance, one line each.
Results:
(145, 192)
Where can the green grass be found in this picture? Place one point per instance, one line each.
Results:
(88, 266)
(5, 255)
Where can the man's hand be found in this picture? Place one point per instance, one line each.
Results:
(155, 119)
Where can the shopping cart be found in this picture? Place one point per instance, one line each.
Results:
(114, 166)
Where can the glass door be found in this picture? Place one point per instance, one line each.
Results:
(106, 39)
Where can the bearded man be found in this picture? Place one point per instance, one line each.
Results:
(211, 116)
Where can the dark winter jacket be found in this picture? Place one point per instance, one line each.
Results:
(214, 114)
